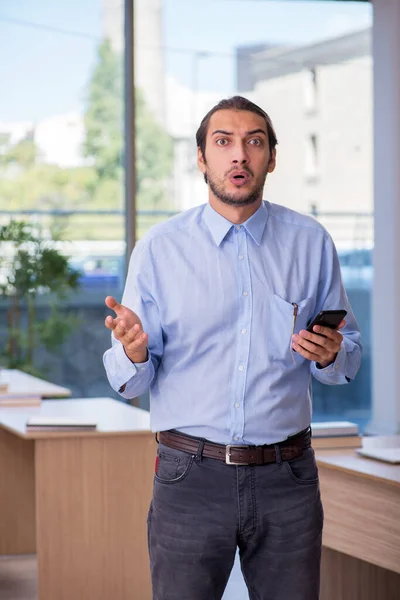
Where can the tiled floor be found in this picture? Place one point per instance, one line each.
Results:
(18, 580)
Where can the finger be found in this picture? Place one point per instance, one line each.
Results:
(113, 304)
(110, 323)
(311, 347)
(120, 331)
(140, 342)
(328, 333)
(318, 340)
(306, 353)
(328, 330)
(322, 344)
(133, 333)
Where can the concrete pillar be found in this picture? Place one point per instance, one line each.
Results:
(386, 287)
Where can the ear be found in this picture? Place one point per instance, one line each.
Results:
(201, 163)
(272, 161)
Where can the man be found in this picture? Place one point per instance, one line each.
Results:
(213, 321)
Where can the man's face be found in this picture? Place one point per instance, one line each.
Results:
(237, 157)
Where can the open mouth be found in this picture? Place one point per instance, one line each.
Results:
(239, 177)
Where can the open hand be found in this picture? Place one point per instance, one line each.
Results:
(314, 346)
(128, 329)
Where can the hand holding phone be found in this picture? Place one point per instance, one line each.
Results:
(327, 318)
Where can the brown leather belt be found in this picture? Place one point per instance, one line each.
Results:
(238, 455)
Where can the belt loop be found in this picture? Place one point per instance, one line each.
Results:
(200, 449)
(278, 454)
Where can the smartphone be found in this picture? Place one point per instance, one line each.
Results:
(327, 318)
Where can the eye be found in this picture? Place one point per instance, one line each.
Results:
(255, 142)
(222, 142)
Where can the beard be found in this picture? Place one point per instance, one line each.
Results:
(232, 199)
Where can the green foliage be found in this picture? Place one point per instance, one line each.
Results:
(27, 182)
(154, 158)
(31, 265)
(104, 137)
(43, 185)
(104, 114)
(23, 154)
(56, 328)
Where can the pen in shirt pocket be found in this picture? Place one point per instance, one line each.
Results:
(295, 311)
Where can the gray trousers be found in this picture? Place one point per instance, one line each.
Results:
(203, 509)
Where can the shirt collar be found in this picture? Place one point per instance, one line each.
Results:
(219, 226)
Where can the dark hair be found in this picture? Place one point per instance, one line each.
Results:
(235, 103)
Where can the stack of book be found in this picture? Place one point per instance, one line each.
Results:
(19, 399)
(47, 423)
(3, 386)
(335, 434)
(10, 395)
(3, 382)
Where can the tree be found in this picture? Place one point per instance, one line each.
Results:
(104, 114)
(26, 182)
(24, 154)
(154, 157)
(104, 136)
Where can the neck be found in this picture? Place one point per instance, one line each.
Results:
(234, 214)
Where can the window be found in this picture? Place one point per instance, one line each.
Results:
(310, 90)
(190, 55)
(311, 157)
(61, 148)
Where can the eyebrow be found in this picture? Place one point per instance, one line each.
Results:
(252, 132)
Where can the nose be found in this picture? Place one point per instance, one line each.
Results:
(239, 155)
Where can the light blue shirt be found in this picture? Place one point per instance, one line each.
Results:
(216, 301)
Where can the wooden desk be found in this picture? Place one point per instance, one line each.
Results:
(79, 500)
(361, 497)
(22, 383)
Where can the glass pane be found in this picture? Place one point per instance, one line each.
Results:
(61, 143)
(155, 194)
(309, 65)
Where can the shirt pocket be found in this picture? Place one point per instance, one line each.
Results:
(284, 323)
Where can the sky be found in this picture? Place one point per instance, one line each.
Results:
(48, 49)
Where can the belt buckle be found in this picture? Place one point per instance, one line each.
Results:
(228, 455)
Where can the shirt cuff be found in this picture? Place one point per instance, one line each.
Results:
(337, 366)
(334, 373)
(125, 368)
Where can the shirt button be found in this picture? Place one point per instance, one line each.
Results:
(241, 257)
(236, 438)
(241, 367)
(244, 330)
(237, 405)
(237, 227)
(245, 293)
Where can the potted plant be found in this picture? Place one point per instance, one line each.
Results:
(31, 265)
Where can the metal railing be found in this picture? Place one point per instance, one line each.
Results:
(350, 230)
